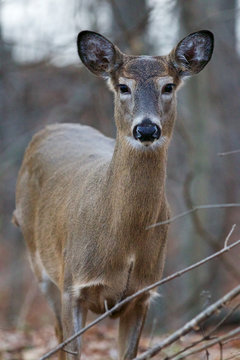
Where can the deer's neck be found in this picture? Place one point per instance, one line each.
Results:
(136, 182)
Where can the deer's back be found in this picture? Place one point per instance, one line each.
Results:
(60, 161)
(62, 145)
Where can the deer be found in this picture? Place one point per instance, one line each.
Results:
(84, 201)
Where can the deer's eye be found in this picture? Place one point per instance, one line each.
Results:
(124, 89)
(168, 88)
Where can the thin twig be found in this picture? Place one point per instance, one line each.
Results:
(237, 338)
(235, 356)
(221, 350)
(229, 152)
(70, 352)
(229, 235)
(230, 312)
(202, 231)
(191, 325)
(210, 344)
(206, 336)
(106, 305)
(138, 293)
(195, 208)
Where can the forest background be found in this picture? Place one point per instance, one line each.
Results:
(42, 81)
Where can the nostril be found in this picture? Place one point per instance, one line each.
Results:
(157, 132)
(137, 132)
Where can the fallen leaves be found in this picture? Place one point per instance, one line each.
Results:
(100, 343)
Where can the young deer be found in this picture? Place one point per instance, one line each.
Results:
(84, 201)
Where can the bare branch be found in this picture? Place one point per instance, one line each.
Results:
(106, 305)
(192, 324)
(195, 208)
(138, 293)
(236, 338)
(70, 352)
(221, 351)
(229, 152)
(229, 235)
(219, 339)
(235, 356)
(202, 231)
(206, 336)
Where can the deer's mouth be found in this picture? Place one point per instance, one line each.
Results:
(147, 145)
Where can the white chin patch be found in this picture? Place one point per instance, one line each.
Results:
(137, 144)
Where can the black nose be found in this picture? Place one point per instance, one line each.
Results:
(146, 131)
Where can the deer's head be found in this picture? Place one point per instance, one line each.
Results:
(145, 86)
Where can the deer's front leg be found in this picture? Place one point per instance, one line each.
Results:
(73, 318)
(130, 328)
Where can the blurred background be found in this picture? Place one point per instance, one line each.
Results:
(42, 81)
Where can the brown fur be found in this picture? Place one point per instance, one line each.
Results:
(83, 203)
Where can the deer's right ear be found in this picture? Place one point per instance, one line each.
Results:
(98, 54)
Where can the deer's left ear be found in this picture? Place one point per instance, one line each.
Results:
(192, 53)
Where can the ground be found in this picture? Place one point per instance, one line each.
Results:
(99, 344)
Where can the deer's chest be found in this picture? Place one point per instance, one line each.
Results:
(116, 285)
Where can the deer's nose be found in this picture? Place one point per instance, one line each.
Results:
(146, 131)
